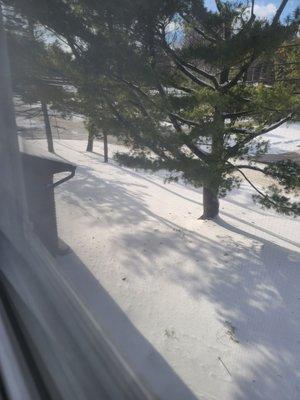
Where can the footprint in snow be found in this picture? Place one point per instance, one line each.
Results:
(170, 334)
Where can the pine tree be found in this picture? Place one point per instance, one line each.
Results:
(216, 118)
(36, 79)
(182, 99)
(91, 102)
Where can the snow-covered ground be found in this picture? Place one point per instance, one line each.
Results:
(286, 138)
(202, 310)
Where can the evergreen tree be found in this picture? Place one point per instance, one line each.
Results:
(216, 118)
(182, 100)
(89, 99)
(36, 78)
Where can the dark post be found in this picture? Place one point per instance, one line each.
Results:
(105, 147)
(47, 127)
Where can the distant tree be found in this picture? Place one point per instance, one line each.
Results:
(91, 102)
(89, 90)
(287, 63)
(91, 135)
(36, 78)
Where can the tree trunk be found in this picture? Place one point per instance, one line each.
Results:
(210, 204)
(47, 127)
(105, 147)
(90, 142)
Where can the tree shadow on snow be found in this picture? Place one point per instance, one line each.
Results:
(253, 287)
(259, 294)
(253, 284)
(143, 176)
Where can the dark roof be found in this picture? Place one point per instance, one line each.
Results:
(39, 158)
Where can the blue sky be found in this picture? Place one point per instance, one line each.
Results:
(265, 8)
(262, 9)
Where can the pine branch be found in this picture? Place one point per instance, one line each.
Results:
(199, 31)
(265, 196)
(192, 76)
(183, 88)
(252, 16)
(249, 22)
(205, 74)
(240, 130)
(239, 75)
(289, 178)
(253, 186)
(128, 126)
(219, 5)
(185, 121)
(237, 114)
(246, 166)
(137, 103)
(279, 12)
(134, 87)
(273, 126)
(198, 152)
(253, 134)
(239, 167)
(182, 66)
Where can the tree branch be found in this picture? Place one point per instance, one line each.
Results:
(238, 168)
(205, 74)
(239, 75)
(185, 121)
(183, 68)
(198, 152)
(237, 114)
(135, 88)
(193, 77)
(265, 196)
(240, 130)
(245, 166)
(219, 5)
(199, 31)
(250, 20)
(279, 12)
(253, 186)
(252, 134)
(183, 88)
(252, 10)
